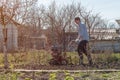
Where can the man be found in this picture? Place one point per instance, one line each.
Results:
(82, 40)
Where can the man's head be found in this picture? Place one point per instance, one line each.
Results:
(77, 20)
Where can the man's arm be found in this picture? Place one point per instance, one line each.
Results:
(79, 37)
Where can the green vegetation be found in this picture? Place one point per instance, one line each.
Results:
(68, 76)
(52, 76)
(36, 58)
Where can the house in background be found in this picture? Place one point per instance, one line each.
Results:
(118, 30)
(35, 42)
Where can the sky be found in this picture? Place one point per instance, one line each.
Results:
(108, 9)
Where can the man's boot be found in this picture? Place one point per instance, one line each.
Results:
(90, 61)
(81, 60)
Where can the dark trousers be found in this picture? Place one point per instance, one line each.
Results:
(83, 49)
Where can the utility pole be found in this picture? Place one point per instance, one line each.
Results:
(6, 65)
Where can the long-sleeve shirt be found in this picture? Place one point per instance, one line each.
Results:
(82, 32)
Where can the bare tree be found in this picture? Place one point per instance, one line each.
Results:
(59, 19)
(9, 13)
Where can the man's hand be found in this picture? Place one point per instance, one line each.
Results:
(77, 40)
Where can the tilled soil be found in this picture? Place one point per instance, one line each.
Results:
(70, 67)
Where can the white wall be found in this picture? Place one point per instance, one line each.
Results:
(12, 37)
(1, 37)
